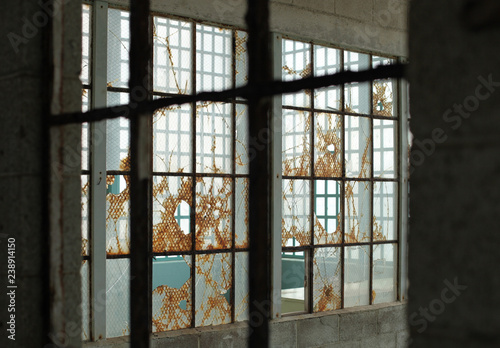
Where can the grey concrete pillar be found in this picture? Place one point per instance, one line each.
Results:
(454, 243)
(40, 42)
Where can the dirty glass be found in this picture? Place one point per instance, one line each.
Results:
(327, 280)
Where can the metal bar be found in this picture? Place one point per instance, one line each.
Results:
(193, 178)
(259, 73)
(403, 190)
(342, 188)
(310, 255)
(258, 90)
(98, 173)
(372, 157)
(276, 193)
(140, 178)
(233, 182)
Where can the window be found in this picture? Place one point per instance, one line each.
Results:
(340, 183)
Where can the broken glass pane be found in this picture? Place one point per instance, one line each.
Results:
(327, 279)
(383, 90)
(118, 214)
(118, 48)
(296, 61)
(296, 227)
(327, 224)
(384, 148)
(326, 62)
(328, 145)
(84, 273)
(171, 293)
(85, 131)
(357, 214)
(117, 297)
(357, 147)
(240, 58)
(85, 214)
(213, 213)
(117, 135)
(357, 95)
(241, 213)
(292, 282)
(172, 56)
(384, 273)
(242, 159)
(172, 197)
(385, 198)
(213, 138)
(172, 139)
(213, 289)
(357, 276)
(296, 149)
(213, 58)
(241, 286)
(86, 39)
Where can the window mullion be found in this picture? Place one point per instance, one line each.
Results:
(98, 173)
(276, 199)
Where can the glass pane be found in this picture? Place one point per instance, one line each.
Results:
(172, 139)
(213, 213)
(296, 61)
(214, 138)
(385, 198)
(357, 276)
(357, 95)
(117, 297)
(241, 286)
(296, 226)
(85, 131)
(213, 289)
(384, 273)
(292, 282)
(213, 58)
(328, 146)
(358, 214)
(241, 57)
(84, 272)
(172, 197)
(327, 279)
(357, 147)
(296, 157)
(327, 62)
(241, 213)
(117, 136)
(383, 90)
(85, 214)
(171, 293)
(118, 48)
(86, 39)
(384, 149)
(242, 158)
(172, 56)
(327, 224)
(117, 215)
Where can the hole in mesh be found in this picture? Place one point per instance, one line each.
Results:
(183, 210)
(331, 148)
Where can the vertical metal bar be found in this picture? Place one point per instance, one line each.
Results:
(140, 174)
(342, 186)
(310, 255)
(98, 173)
(403, 114)
(260, 71)
(193, 177)
(276, 193)
(372, 183)
(233, 181)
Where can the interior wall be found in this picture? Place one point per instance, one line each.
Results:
(378, 26)
(455, 196)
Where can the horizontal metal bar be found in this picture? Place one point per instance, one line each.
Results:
(259, 90)
(337, 178)
(201, 252)
(318, 246)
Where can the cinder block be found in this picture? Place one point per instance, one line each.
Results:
(380, 341)
(319, 331)
(283, 334)
(177, 341)
(357, 9)
(226, 338)
(392, 319)
(402, 339)
(391, 13)
(358, 325)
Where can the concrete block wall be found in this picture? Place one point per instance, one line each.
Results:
(382, 326)
(378, 26)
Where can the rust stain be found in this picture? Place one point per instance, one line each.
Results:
(117, 215)
(382, 99)
(328, 296)
(170, 315)
(84, 202)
